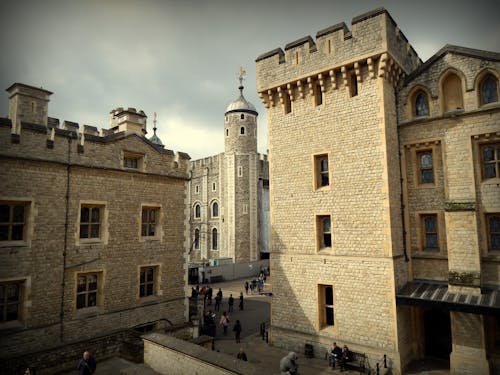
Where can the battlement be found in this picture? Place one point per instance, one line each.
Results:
(374, 35)
(209, 161)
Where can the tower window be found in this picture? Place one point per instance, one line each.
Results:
(489, 90)
(215, 210)
(196, 239)
(227, 132)
(426, 168)
(326, 316)
(242, 116)
(318, 95)
(197, 211)
(421, 104)
(287, 104)
(353, 85)
(323, 224)
(215, 241)
(242, 130)
(322, 174)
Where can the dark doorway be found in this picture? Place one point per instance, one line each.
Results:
(437, 327)
(193, 275)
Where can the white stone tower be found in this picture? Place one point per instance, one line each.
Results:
(241, 169)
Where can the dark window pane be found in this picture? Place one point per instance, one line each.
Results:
(92, 299)
(329, 316)
(152, 216)
(149, 274)
(489, 91)
(489, 171)
(426, 161)
(12, 312)
(430, 224)
(495, 242)
(94, 231)
(18, 214)
(81, 284)
(327, 239)
(324, 179)
(2, 293)
(215, 210)
(142, 290)
(324, 165)
(12, 293)
(17, 232)
(494, 222)
(92, 282)
(144, 231)
(4, 213)
(152, 229)
(4, 232)
(149, 290)
(329, 295)
(80, 301)
(84, 231)
(431, 241)
(144, 215)
(326, 225)
(95, 214)
(427, 176)
(143, 276)
(85, 214)
(488, 153)
(197, 211)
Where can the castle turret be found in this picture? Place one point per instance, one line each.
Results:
(28, 104)
(240, 126)
(128, 120)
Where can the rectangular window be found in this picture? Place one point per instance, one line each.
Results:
(132, 160)
(10, 301)
(214, 186)
(322, 172)
(493, 228)
(13, 217)
(324, 232)
(353, 85)
(87, 290)
(318, 95)
(240, 171)
(430, 232)
(425, 165)
(90, 221)
(147, 281)
(325, 308)
(491, 160)
(287, 103)
(150, 219)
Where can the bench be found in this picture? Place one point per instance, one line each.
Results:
(357, 362)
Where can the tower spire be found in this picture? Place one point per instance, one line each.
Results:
(154, 124)
(242, 73)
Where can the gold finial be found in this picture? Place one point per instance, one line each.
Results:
(242, 73)
(154, 122)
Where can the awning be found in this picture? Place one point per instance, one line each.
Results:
(420, 293)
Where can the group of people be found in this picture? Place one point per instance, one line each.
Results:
(207, 293)
(339, 357)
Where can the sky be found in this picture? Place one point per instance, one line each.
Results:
(181, 59)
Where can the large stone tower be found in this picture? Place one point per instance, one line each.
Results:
(241, 163)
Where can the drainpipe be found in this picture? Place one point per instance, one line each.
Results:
(65, 246)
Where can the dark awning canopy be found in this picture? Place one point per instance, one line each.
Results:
(420, 293)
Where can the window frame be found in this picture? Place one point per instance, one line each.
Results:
(157, 221)
(486, 77)
(495, 161)
(197, 237)
(242, 131)
(420, 94)
(4, 304)
(421, 169)
(89, 224)
(145, 283)
(26, 222)
(137, 157)
(214, 205)
(97, 291)
(214, 246)
(321, 244)
(197, 211)
(424, 233)
(324, 307)
(318, 173)
(489, 233)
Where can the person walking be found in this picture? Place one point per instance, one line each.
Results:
(230, 303)
(87, 364)
(246, 287)
(224, 322)
(217, 302)
(237, 331)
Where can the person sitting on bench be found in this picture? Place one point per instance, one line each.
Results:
(346, 357)
(335, 355)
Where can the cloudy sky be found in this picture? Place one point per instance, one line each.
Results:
(181, 58)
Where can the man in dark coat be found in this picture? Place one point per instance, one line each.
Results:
(87, 364)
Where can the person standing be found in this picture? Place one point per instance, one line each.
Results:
(87, 364)
(241, 301)
(224, 322)
(217, 302)
(246, 287)
(230, 303)
(237, 331)
(241, 355)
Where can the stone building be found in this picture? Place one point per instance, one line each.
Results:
(385, 198)
(93, 234)
(229, 197)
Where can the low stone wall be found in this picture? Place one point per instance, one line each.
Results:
(170, 356)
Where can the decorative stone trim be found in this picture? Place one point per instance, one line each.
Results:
(459, 206)
(464, 278)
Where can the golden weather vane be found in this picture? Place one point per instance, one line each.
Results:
(242, 73)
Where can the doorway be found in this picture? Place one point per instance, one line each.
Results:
(437, 329)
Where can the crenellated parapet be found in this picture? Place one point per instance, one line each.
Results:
(375, 45)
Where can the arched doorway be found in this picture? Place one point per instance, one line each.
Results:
(437, 329)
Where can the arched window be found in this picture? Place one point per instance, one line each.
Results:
(452, 93)
(242, 116)
(421, 104)
(196, 238)
(214, 239)
(489, 90)
(215, 210)
(242, 130)
(197, 211)
(227, 132)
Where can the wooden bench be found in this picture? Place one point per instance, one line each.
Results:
(357, 362)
